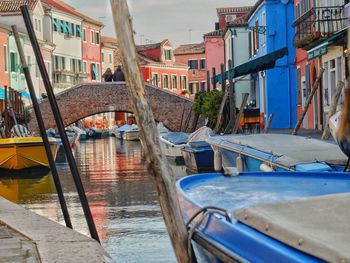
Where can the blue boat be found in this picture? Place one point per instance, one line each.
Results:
(267, 217)
(199, 157)
(276, 152)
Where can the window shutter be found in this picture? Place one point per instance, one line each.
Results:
(298, 86)
(250, 43)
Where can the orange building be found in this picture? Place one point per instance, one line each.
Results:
(194, 56)
(160, 68)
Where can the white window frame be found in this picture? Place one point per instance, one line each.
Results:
(199, 66)
(92, 37)
(163, 75)
(177, 81)
(181, 82)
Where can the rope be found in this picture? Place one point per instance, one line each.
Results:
(204, 212)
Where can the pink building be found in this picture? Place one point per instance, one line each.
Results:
(92, 49)
(194, 56)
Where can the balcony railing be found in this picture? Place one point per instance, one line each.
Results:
(316, 25)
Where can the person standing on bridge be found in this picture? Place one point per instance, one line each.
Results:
(108, 75)
(118, 74)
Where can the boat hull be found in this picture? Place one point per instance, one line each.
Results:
(131, 135)
(22, 153)
(173, 151)
(198, 160)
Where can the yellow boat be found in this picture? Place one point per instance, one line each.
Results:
(27, 152)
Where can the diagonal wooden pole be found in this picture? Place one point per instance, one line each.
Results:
(158, 165)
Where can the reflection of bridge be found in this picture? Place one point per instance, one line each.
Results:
(92, 98)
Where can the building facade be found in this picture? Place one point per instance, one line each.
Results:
(194, 56)
(160, 68)
(321, 42)
(4, 62)
(107, 54)
(274, 90)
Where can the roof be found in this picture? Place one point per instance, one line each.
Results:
(108, 39)
(12, 7)
(255, 7)
(229, 10)
(64, 7)
(216, 33)
(151, 46)
(190, 49)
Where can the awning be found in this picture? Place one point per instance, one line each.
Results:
(322, 48)
(261, 63)
(24, 94)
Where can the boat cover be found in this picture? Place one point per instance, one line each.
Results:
(176, 137)
(201, 134)
(318, 226)
(161, 128)
(128, 127)
(289, 149)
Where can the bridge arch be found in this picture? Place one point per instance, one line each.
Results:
(89, 99)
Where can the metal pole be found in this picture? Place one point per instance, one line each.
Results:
(41, 125)
(59, 123)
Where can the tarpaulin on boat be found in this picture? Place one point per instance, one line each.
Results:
(176, 137)
(316, 225)
(2, 94)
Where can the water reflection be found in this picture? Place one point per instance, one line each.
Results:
(122, 198)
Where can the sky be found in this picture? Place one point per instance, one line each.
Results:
(180, 21)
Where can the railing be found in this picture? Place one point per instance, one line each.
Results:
(317, 24)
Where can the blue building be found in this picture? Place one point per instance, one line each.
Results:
(274, 90)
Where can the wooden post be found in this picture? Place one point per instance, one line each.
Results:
(223, 80)
(182, 117)
(6, 113)
(213, 77)
(158, 165)
(208, 81)
(332, 109)
(267, 128)
(219, 118)
(232, 97)
(238, 118)
(314, 89)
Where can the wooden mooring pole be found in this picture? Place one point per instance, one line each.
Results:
(240, 113)
(314, 89)
(158, 165)
(332, 109)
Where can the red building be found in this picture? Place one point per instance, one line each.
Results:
(319, 41)
(194, 56)
(214, 42)
(92, 48)
(160, 68)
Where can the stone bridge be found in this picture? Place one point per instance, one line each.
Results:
(93, 98)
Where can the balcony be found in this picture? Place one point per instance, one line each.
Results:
(316, 25)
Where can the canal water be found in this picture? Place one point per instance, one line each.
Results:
(122, 198)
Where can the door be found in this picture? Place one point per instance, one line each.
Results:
(304, 94)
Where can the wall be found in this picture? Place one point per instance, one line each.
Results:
(214, 49)
(4, 75)
(193, 75)
(106, 63)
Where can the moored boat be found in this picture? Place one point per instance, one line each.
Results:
(131, 135)
(276, 152)
(26, 152)
(267, 217)
(198, 157)
(172, 144)
(133, 131)
(97, 134)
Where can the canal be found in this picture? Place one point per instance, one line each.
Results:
(122, 198)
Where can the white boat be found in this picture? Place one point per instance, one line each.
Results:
(172, 143)
(119, 132)
(131, 135)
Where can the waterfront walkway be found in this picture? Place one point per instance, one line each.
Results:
(28, 237)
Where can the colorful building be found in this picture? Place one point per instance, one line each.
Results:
(160, 68)
(111, 57)
(274, 90)
(194, 56)
(237, 51)
(92, 48)
(4, 62)
(320, 41)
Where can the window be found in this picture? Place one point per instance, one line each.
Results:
(155, 79)
(78, 31)
(5, 59)
(97, 38)
(84, 67)
(98, 71)
(264, 24)
(72, 64)
(203, 84)
(56, 63)
(63, 28)
(13, 62)
(193, 87)
(110, 58)
(165, 81)
(92, 37)
(84, 34)
(174, 82)
(193, 64)
(55, 25)
(39, 25)
(63, 63)
(36, 23)
(256, 38)
(168, 54)
(202, 63)
(72, 26)
(183, 82)
(95, 71)
(103, 57)
(79, 66)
